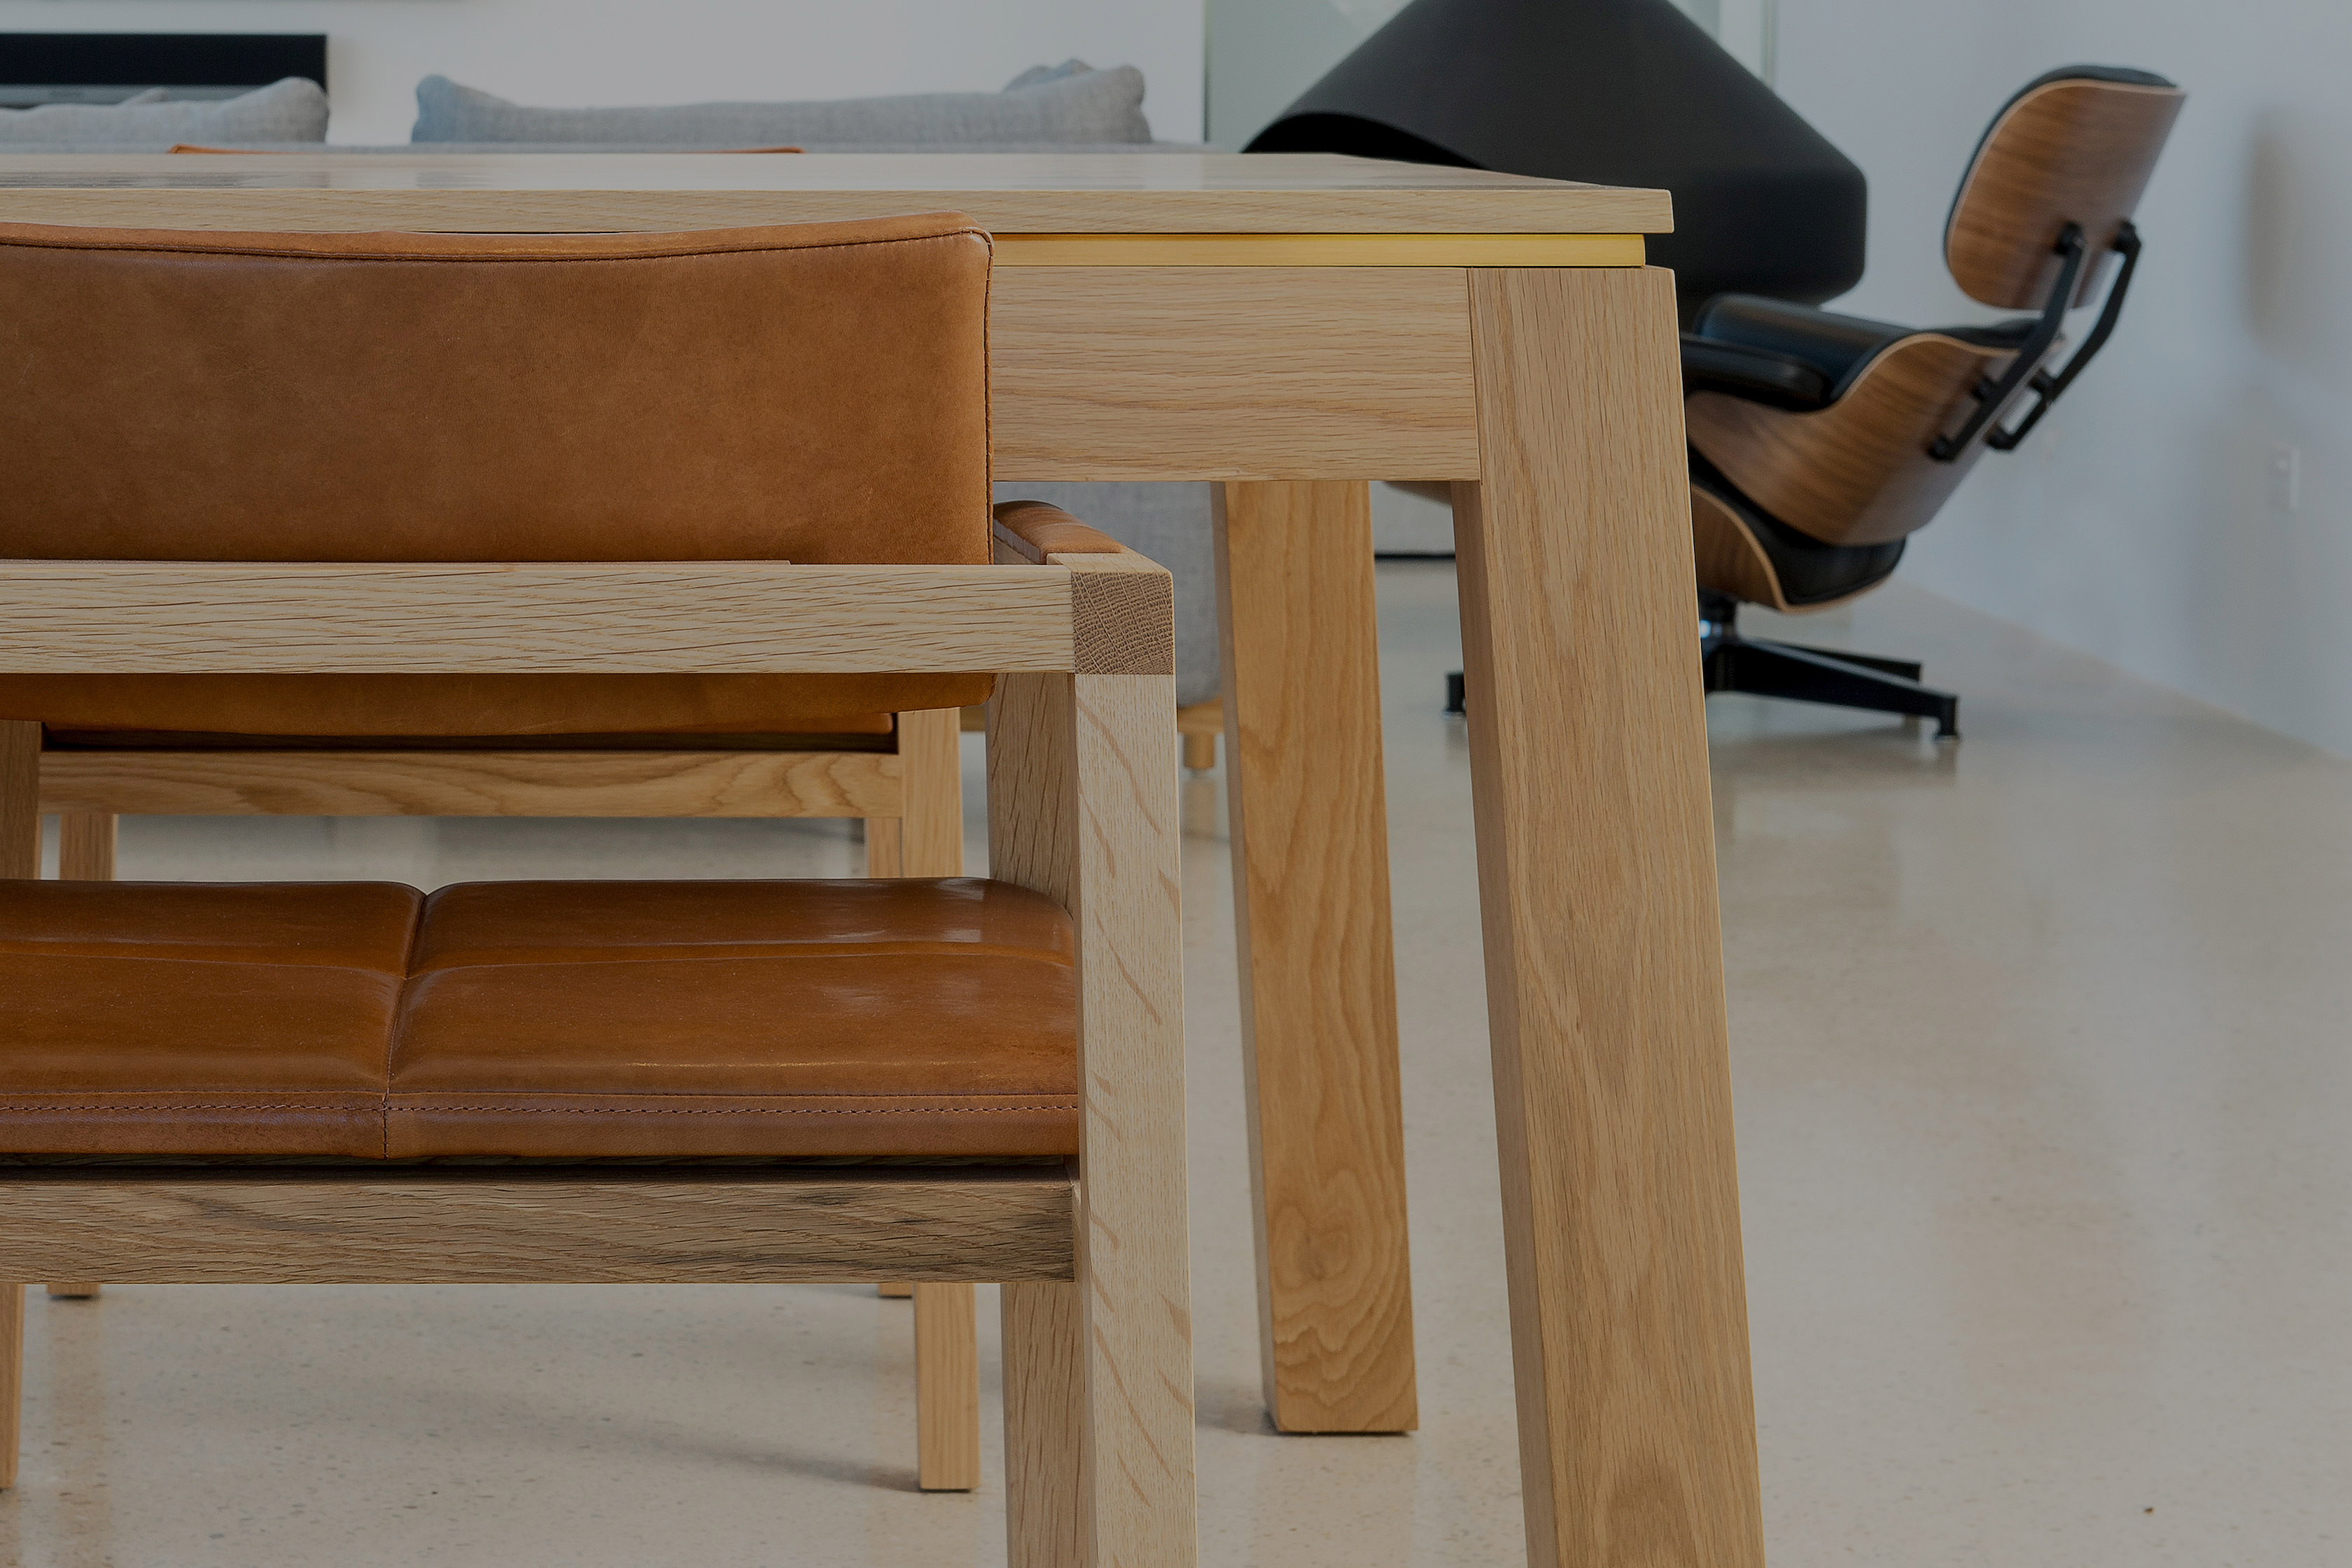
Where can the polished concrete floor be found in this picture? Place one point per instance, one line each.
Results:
(2046, 1113)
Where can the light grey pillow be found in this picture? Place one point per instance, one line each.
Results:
(1071, 102)
(294, 110)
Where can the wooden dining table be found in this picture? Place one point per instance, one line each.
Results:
(1293, 327)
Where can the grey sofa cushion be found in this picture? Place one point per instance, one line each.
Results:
(1171, 524)
(1065, 103)
(294, 110)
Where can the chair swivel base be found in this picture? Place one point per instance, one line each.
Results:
(1829, 676)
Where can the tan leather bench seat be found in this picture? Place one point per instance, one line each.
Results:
(558, 1019)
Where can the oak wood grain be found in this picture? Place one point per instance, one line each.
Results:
(931, 770)
(1308, 819)
(20, 798)
(1604, 978)
(1042, 192)
(226, 783)
(1045, 1420)
(947, 1386)
(1230, 372)
(1083, 807)
(886, 852)
(216, 1227)
(612, 618)
(85, 843)
(1857, 473)
(2069, 151)
(930, 843)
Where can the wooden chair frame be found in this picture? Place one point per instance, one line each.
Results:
(1083, 807)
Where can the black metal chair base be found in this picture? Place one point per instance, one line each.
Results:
(1829, 676)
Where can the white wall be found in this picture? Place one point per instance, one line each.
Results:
(2138, 521)
(669, 51)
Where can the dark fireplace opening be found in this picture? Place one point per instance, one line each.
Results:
(108, 68)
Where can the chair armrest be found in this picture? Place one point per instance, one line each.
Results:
(1123, 605)
(1838, 346)
(1754, 375)
(1036, 529)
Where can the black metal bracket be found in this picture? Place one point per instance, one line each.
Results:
(1991, 399)
(2047, 389)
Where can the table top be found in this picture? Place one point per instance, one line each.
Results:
(1010, 193)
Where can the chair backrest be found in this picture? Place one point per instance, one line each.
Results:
(2075, 145)
(816, 393)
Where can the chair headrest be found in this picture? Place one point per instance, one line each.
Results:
(2074, 145)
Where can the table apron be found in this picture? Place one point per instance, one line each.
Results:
(1232, 372)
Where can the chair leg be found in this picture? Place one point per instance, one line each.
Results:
(1084, 808)
(85, 854)
(947, 1388)
(86, 846)
(1043, 1419)
(20, 798)
(12, 1379)
(947, 1352)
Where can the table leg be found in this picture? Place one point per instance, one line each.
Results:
(1605, 975)
(1309, 824)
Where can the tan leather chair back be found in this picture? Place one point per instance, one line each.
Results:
(816, 393)
(2075, 146)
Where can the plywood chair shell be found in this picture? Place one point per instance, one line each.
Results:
(2074, 151)
(1857, 473)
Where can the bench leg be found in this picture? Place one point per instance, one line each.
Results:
(1042, 1423)
(12, 1379)
(947, 1388)
(20, 798)
(85, 854)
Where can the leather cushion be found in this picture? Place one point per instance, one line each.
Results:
(559, 1019)
(177, 1020)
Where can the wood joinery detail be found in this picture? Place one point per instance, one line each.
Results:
(1857, 473)
(1310, 831)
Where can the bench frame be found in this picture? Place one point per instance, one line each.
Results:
(1082, 807)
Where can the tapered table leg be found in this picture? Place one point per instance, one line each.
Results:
(1604, 976)
(1309, 825)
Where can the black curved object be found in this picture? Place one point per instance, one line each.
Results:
(1619, 92)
